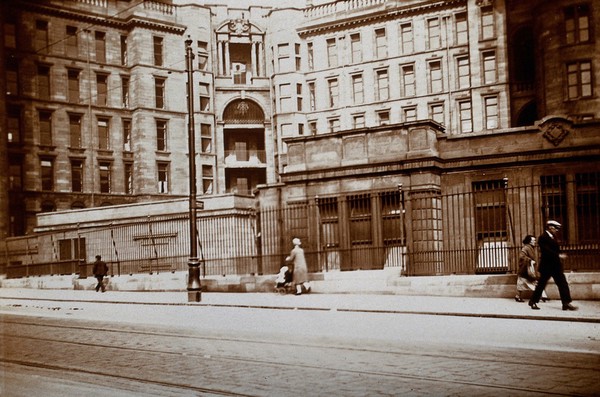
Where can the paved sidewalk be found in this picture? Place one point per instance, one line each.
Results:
(589, 311)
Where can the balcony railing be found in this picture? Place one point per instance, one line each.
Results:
(247, 157)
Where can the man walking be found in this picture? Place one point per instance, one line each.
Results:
(100, 270)
(551, 266)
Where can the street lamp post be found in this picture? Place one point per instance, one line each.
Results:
(193, 287)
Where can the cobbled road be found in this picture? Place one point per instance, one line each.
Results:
(254, 352)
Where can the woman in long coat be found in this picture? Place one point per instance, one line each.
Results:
(300, 269)
(526, 281)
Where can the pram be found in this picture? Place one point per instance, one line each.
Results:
(283, 283)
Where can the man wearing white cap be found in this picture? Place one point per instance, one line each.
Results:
(551, 266)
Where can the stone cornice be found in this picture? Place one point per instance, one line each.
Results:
(333, 22)
(112, 22)
(440, 165)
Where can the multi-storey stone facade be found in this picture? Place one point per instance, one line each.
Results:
(335, 105)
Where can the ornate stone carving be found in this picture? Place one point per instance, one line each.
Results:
(555, 129)
(239, 26)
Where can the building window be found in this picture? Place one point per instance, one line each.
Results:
(163, 177)
(207, 179)
(13, 124)
(125, 92)
(436, 84)
(285, 98)
(490, 209)
(462, 28)
(329, 217)
(75, 130)
(332, 55)
(380, 43)
(73, 85)
(158, 50)
(554, 200)
(41, 37)
(311, 96)
(205, 138)
(77, 176)
(355, 48)
(100, 41)
(434, 39)
(161, 135)
(15, 176)
(47, 174)
(587, 187)
(103, 134)
(128, 177)
(311, 56)
(466, 116)
(71, 46)
(577, 24)
(410, 113)
(489, 67)
(312, 127)
(491, 112)
(202, 55)
(283, 57)
(357, 89)
(333, 88)
(300, 129)
(43, 82)
(463, 72)
(159, 92)
(358, 121)
(383, 117)
(12, 76)
(488, 28)
(436, 112)
(45, 119)
(299, 97)
(392, 222)
(101, 89)
(104, 169)
(408, 81)
(382, 92)
(10, 34)
(204, 97)
(124, 50)
(298, 57)
(579, 80)
(361, 232)
(406, 38)
(127, 135)
(333, 124)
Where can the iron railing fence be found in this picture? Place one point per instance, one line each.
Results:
(472, 230)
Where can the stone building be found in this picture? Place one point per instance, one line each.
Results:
(352, 108)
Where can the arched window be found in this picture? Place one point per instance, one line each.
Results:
(243, 111)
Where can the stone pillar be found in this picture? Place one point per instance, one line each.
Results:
(424, 225)
(220, 57)
(261, 59)
(254, 60)
(227, 59)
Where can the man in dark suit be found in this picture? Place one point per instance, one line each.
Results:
(551, 266)
(100, 270)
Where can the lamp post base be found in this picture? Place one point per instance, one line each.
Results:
(194, 288)
(194, 296)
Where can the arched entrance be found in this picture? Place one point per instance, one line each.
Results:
(244, 146)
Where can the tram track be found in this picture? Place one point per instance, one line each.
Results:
(243, 344)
